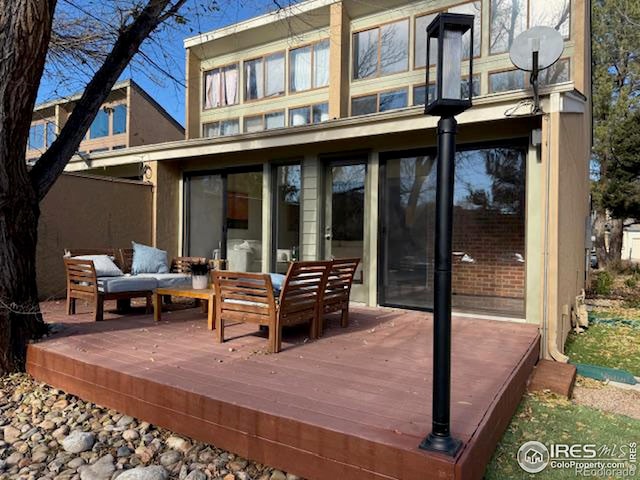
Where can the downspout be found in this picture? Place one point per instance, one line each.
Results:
(549, 323)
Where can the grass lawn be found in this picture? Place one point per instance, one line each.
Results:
(549, 419)
(615, 346)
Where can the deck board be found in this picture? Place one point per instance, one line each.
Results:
(354, 404)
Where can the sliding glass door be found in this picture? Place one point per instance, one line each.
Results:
(224, 217)
(488, 230)
(287, 190)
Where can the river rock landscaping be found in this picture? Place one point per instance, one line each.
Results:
(47, 434)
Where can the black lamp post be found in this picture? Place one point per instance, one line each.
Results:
(447, 99)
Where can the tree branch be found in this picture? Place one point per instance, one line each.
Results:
(52, 163)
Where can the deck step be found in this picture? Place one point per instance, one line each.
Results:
(556, 377)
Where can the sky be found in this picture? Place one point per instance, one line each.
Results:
(170, 56)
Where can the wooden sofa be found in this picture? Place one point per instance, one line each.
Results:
(249, 297)
(83, 283)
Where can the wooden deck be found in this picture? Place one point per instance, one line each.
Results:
(352, 405)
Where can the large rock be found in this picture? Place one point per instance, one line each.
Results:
(196, 475)
(169, 458)
(101, 470)
(78, 442)
(179, 444)
(145, 473)
(11, 434)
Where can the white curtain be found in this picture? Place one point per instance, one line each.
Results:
(212, 89)
(230, 82)
(229, 127)
(274, 69)
(321, 64)
(300, 69)
(299, 116)
(211, 129)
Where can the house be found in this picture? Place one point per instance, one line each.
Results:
(306, 138)
(631, 243)
(128, 118)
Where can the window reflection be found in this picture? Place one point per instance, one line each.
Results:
(551, 13)
(475, 9)
(288, 188)
(381, 51)
(505, 81)
(508, 20)
(488, 231)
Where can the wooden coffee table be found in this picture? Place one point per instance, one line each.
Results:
(207, 294)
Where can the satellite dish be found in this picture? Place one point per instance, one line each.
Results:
(536, 49)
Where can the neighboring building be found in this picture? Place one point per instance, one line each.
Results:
(128, 118)
(306, 134)
(631, 243)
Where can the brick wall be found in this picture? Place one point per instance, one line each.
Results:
(492, 240)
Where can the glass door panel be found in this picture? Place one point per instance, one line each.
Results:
(345, 216)
(204, 216)
(408, 228)
(244, 221)
(286, 216)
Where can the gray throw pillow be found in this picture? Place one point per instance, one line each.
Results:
(148, 260)
(103, 264)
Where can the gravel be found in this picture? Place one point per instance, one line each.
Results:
(608, 398)
(47, 434)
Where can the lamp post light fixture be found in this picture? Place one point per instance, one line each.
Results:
(447, 99)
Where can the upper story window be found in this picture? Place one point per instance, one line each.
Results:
(221, 128)
(267, 121)
(420, 91)
(382, 50)
(36, 136)
(509, 18)
(119, 119)
(379, 102)
(309, 67)
(423, 21)
(51, 133)
(221, 87)
(311, 114)
(264, 77)
(100, 126)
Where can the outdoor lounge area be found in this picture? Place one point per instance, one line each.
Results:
(353, 404)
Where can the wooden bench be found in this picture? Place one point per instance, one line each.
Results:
(249, 297)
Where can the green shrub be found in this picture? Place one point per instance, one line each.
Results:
(603, 283)
(631, 282)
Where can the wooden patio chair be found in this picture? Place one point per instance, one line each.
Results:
(82, 283)
(249, 297)
(338, 290)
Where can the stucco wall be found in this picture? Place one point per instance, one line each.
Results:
(88, 212)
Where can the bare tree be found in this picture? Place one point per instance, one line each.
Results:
(25, 41)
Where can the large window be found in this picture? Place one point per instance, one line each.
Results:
(419, 91)
(264, 77)
(286, 229)
(119, 119)
(305, 115)
(267, 121)
(221, 128)
(488, 230)
(423, 21)
(221, 87)
(379, 102)
(36, 136)
(224, 218)
(309, 67)
(382, 50)
(100, 126)
(505, 81)
(509, 18)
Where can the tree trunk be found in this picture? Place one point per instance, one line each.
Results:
(25, 27)
(599, 232)
(615, 240)
(20, 319)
